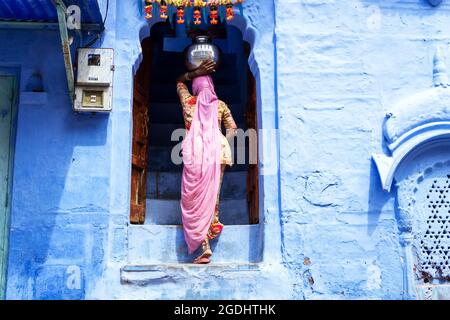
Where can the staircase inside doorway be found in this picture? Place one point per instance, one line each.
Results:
(164, 177)
(161, 239)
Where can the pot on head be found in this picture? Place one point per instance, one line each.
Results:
(202, 49)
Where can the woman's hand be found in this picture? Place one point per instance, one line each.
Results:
(207, 67)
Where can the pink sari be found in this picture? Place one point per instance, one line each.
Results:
(202, 169)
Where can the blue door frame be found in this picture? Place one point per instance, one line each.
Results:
(9, 79)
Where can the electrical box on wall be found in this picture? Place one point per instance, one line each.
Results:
(93, 90)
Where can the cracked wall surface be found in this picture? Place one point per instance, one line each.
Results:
(341, 65)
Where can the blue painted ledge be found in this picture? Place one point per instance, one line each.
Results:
(161, 273)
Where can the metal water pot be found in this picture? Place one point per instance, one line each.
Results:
(201, 49)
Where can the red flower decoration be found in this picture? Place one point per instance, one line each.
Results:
(192, 101)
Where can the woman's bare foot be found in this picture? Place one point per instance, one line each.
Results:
(202, 260)
(207, 253)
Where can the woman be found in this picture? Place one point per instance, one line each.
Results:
(206, 153)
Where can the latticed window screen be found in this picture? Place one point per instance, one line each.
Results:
(433, 237)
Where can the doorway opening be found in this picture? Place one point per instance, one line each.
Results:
(8, 93)
(157, 113)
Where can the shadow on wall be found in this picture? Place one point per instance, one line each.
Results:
(377, 199)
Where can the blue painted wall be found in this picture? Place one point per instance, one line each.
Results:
(327, 72)
(341, 66)
(60, 195)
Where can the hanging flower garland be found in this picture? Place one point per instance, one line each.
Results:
(197, 11)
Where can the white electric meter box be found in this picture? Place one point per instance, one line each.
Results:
(93, 89)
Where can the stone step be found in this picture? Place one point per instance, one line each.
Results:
(165, 113)
(160, 160)
(167, 185)
(171, 113)
(168, 212)
(225, 75)
(157, 274)
(160, 134)
(153, 244)
(167, 93)
(175, 60)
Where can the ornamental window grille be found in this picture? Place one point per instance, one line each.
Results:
(432, 240)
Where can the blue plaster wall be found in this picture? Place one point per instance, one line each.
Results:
(341, 66)
(61, 185)
(326, 77)
(60, 196)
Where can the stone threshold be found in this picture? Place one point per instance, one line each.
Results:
(172, 272)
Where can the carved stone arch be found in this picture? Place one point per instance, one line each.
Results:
(415, 121)
(417, 137)
(409, 166)
(415, 124)
(249, 33)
